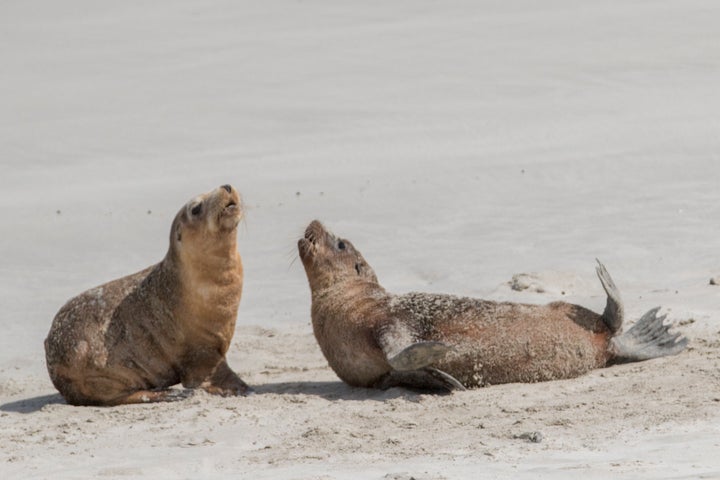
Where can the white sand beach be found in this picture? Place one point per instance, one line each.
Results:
(457, 144)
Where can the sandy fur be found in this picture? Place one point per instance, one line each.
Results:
(353, 318)
(127, 340)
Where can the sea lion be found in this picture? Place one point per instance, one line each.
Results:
(129, 340)
(372, 338)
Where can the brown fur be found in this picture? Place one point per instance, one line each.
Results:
(491, 342)
(128, 340)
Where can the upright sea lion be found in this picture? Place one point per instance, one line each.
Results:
(372, 338)
(128, 340)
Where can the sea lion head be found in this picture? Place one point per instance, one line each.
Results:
(207, 222)
(329, 260)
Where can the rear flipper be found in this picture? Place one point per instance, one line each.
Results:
(423, 379)
(648, 338)
(613, 314)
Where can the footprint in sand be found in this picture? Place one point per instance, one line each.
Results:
(551, 282)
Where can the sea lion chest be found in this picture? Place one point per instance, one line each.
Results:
(208, 310)
(344, 326)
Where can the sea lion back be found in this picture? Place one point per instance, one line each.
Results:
(502, 342)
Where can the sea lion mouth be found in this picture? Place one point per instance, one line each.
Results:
(231, 208)
(230, 215)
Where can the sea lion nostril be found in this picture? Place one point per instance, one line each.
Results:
(227, 188)
(310, 234)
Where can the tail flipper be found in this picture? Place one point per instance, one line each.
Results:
(648, 338)
(613, 314)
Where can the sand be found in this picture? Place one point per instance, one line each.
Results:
(459, 145)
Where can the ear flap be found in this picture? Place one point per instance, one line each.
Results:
(178, 234)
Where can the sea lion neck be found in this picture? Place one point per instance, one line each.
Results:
(216, 247)
(346, 288)
(223, 247)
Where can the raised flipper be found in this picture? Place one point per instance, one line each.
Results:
(613, 314)
(423, 379)
(648, 338)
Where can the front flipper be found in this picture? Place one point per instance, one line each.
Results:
(152, 396)
(450, 382)
(223, 381)
(423, 379)
(411, 360)
(418, 355)
(403, 350)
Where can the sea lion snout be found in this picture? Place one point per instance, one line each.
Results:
(229, 205)
(315, 232)
(233, 201)
(308, 245)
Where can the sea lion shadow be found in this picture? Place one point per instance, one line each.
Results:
(32, 405)
(341, 391)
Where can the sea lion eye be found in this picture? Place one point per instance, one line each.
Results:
(196, 209)
(341, 245)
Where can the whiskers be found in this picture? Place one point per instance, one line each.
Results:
(293, 254)
(246, 209)
(293, 257)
